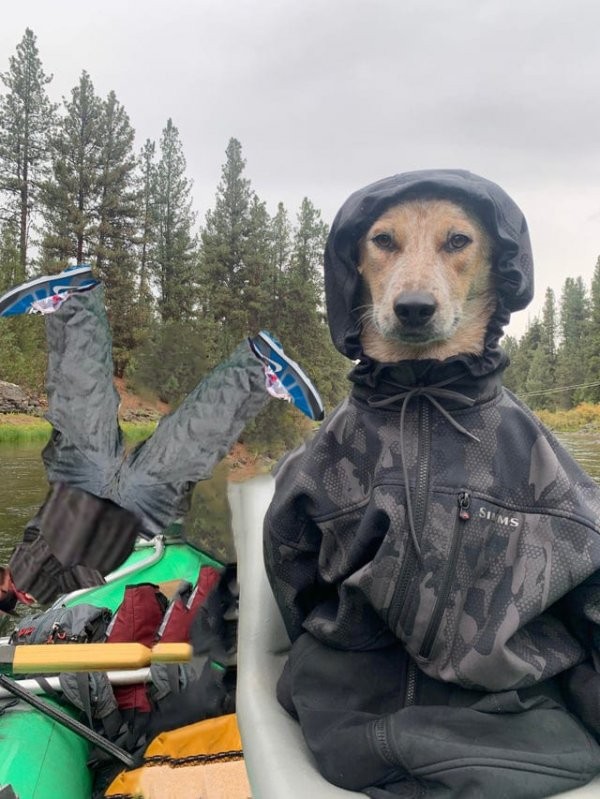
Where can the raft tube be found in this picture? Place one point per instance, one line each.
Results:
(41, 759)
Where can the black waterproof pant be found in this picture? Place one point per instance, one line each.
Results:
(447, 743)
(86, 449)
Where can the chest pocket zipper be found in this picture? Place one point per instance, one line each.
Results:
(463, 515)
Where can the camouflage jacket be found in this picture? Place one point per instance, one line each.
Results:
(432, 506)
(499, 590)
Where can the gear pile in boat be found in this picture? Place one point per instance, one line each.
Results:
(204, 614)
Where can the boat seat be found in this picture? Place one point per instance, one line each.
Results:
(278, 761)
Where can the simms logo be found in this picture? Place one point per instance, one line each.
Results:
(499, 518)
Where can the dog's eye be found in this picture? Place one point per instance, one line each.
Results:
(383, 240)
(457, 241)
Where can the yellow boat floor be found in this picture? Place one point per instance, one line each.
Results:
(200, 761)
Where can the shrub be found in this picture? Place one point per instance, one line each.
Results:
(583, 415)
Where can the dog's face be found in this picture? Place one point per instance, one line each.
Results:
(427, 288)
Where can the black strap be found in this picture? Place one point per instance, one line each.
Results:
(66, 720)
(83, 686)
(173, 677)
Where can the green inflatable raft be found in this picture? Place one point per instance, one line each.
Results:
(39, 757)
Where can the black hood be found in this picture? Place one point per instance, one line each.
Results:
(512, 267)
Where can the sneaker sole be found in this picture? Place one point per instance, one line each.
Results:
(313, 399)
(19, 300)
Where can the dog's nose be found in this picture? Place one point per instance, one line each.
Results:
(415, 308)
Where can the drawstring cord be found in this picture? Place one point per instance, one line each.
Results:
(431, 393)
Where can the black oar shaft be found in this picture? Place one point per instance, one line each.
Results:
(66, 720)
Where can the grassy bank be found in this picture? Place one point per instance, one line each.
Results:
(586, 415)
(18, 428)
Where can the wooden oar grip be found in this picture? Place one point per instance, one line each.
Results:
(44, 659)
(171, 653)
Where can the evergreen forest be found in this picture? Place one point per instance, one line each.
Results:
(180, 293)
(555, 365)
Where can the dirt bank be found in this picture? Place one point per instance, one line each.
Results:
(139, 413)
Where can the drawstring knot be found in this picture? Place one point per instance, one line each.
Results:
(433, 394)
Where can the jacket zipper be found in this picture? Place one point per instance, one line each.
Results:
(464, 503)
(421, 493)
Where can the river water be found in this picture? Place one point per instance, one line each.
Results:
(23, 487)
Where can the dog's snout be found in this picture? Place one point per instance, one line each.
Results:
(415, 309)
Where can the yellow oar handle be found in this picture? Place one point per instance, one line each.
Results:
(94, 657)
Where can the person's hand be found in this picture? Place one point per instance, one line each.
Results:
(10, 594)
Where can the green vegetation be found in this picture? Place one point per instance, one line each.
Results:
(18, 428)
(586, 415)
(137, 431)
(29, 430)
(180, 295)
(555, 366)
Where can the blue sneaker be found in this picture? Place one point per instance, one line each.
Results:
(47, 291)
(283, 373)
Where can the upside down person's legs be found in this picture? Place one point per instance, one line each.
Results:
(156, 479)
(101, 497)
(86, 447)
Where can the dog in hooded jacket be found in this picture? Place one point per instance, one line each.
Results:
(425, 267)
(434, 550)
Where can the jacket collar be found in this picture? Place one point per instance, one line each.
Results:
(476, 377)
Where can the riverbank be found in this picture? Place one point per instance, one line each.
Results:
(138, 419)
(585, 416)
(21, 428)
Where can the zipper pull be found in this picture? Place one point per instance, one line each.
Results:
(464, 503)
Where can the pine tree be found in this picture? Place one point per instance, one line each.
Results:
(542, 364)
(148, 239)
(304, 278)
(118, 200)
(549, 326)
(257, 305)
(510, 345)
(72, 193)
(116, 215)
(22, 341)
(309, 244)
(574, 324)
(224, 252)
(537, 383)
(574, 312)
(26, 116)
(281, 246)
(303, 322)
(592, 349)
(175, 248)
(521, 357)
(10, 264)
(143, 310)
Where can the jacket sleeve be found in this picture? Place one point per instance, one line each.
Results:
(291, 548)
(581, 684)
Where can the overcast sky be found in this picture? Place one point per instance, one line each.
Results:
(329, 95)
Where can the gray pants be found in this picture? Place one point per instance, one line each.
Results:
(86, 448)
